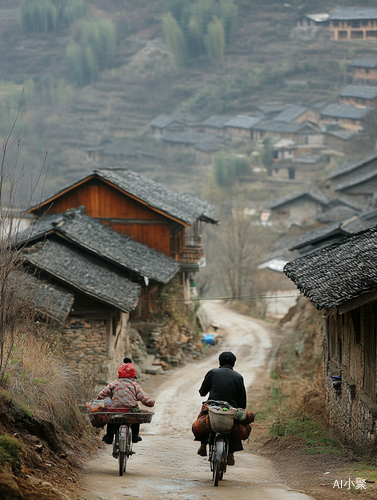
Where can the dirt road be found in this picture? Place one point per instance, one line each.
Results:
(169, 466)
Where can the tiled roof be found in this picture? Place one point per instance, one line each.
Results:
(337, 213)
(47, 298)
(85, 275)
(354, 13)
(272, 108)
(290, 114)
(338, 273)
(242, 121)
(345, 135)
(182, 206)
(183, 137)
(308, 159)
(216, 121)
(208, 146)
(345, 227)
(365, 62)
(161, 121)
(318, 18)
(359, 91)
(354, 181)
(346, 111)
(345, 169)
(104, 242)
(282, 127)
(308, 192)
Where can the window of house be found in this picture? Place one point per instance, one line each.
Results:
(367, 70)
(357, 35)
(355, 24)
(364, 23)
(342, 35)
(335, 24)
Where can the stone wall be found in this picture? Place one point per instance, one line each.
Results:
(94, 349)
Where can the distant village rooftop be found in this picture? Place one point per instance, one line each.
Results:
(345, 111)
(359, 91)
(162, 121)
(290, 114)
(354, 13)
(216, 121)
(243, 121)
(364, 62)
(345, 169)
(308, 191)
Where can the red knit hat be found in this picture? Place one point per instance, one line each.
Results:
(127, 370)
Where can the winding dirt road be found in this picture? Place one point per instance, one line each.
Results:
(166, 464)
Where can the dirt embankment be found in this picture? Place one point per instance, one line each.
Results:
(49, 465)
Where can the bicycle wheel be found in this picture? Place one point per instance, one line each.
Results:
(218, 464)
(216, 472)
(122, 462)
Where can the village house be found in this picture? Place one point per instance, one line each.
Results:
(354, 23)
(215, 124)
(163, 124)
(361, 188)
(339, 139)
(89, 303)
(241, 126)
(320, 19)
(285, 149)
(301, 168)
(359, 95)
(301, 133)
(146, 211)
(341, 281)
(297, 114)
(340, 209)
(299, 207)
(345, 115)
(364, 71)
(348, 171)
(270, 110)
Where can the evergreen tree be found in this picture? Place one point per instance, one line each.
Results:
(49, 15)
(215, 41)
(229, 16)
(175, 39)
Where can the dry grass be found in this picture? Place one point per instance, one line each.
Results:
(37, 376)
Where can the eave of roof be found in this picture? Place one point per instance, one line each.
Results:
(290, 114)
(354, 181)
(365, 62)
(368, 92)
(99, 239)
(72, 268)
(309, 191)
(345, 169)
(354, 14)
(180, 207)
(346, 111)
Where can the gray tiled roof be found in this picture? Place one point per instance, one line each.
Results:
(337, 213)
(208, 146)
(338, 273)
(272, 108)
(352, 225)
(282, 127)
(345, 135)
(359, 91)
(243, 121)
(354, 181)
(182, 206)
(216, 121)
(346, 111)
(309, 159)
(183, 137)
(85, 275)
(365, 62)
(354, 13)
(161, 121)
(345, 169)
(103, 241)
(308, 191)
(290, 114)
(52, 300)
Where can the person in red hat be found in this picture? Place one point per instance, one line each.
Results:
(125, 393)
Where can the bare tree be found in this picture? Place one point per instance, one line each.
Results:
(12, 194)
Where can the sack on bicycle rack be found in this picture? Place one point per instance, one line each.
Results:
(241, 431)
(221, 420)
(201, 426)
(246, 417)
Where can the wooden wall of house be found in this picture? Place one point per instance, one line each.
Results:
(123, 213)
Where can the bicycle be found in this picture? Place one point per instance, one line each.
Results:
(221, 416)
(122, 441)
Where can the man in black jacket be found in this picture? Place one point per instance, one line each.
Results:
(224, 384)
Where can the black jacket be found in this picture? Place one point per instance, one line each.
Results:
(224, 384)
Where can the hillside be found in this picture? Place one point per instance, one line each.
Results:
(262, 65)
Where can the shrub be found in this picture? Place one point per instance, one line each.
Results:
(49, 15)
(10, 449)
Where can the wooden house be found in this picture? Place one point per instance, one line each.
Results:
(354, 23)
(297, 114)
(301, 133)
(360, 96)
(241, 126)
(285, 149)
(341, 281)
(299, 207)
(345, 115)
(339, 139)
(364, 71)
(215, 124)
(147, 211)
(348, 171)
(163, 124)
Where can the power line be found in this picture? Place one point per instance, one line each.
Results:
(246, 298)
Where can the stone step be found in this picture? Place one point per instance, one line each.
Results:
(148, 366)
